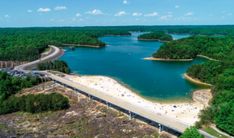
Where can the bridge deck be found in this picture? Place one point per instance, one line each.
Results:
(168, 122)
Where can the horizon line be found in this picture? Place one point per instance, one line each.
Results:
(67, 26)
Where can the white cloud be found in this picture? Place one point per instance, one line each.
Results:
(60, 8)
(77, 19)
(125, 2)
(151, 14)
(43, 10)
(6, 16)
(78, 14)
(136, 14)
(29, 11)
(95, 12)
(189, 14)
(166, 17)
(177, 6)
(121, 13)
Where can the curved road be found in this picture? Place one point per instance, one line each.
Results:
(54, 54)
(163, 120)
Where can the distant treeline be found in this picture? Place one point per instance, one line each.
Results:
(56, 65)
(159, 36)
(187, 48)
(26, 44)
(218, 73)
(10, 103)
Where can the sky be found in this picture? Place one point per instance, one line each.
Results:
(36, 13)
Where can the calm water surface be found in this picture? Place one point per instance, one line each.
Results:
(122, 59)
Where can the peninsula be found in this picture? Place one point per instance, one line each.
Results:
(155, 36)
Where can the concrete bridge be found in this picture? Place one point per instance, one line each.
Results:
(163, 122)
(148, 116)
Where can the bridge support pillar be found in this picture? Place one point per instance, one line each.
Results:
(130, 115)
(90, 98)
(78, 98)
(160, 128)
(107, 104)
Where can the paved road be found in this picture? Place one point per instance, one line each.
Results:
(165, 121)
(54, 54)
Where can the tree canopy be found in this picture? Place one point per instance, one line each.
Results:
(191, 132)
(189, 48)
(158, 36)
(56, 65)
(10, 103)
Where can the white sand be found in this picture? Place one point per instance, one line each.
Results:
(185, 112)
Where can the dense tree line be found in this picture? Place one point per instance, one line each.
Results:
(9, 103)
(34, 103)
(56, 65)
(188, 48)
(219, 73)
(221, 110)
(159, 36)
(26, 44)
(207, 72)
(11, 85)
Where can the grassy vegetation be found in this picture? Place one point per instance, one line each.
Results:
(191, 132)
(214, 132)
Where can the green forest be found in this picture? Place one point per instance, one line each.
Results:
(34, 103)
(56, 65)
(9, 103)
(26, 44)
(158, 36)
(11, 85)
(219, 73)
(189, 48)
(217, 42)
(34, 41)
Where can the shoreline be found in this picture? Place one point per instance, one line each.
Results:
(206, 57)
(157, 40)
(162, 59)
(196, 81)
(181, 99)
(191, 59)
(183, 111)
(79, 45)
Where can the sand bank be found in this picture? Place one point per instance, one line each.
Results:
(162, 59)
(186, 112)
(163, 41)
(79, 45)
(196, 81)
(202, 56)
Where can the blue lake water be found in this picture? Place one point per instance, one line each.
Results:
(122, 59)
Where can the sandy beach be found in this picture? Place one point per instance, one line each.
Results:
(186, 112)
(196, 81)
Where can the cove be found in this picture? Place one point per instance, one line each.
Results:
(122, 59)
